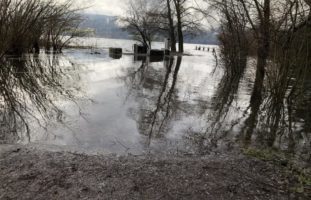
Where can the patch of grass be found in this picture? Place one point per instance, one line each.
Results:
(300, 178)
(271, 155)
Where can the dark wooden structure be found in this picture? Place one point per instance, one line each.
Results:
(115, 53)
(139, 49)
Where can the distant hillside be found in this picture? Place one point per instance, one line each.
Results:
(106, 26)
(207, 37)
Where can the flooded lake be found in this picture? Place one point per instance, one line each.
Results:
(186, 104)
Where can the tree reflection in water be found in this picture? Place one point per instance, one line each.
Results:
(227, 92)
(166, 102)
(30, 85)
(287, 92)
(160, 104)
(168, 105)
(269, 119)
(223, 112)
(274, 116)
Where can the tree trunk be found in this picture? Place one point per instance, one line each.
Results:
(171, 27)
(36, 47)
(180, 35)
(179, 26)
(48, 43)
(263, 50)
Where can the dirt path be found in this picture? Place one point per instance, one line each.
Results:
(37, 174)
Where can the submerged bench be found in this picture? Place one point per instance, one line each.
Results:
(154, 52)
(115, 53)
(139, 49)
(115, 50)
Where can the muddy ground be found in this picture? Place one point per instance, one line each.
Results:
(28, 173)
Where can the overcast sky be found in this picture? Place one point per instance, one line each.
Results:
(118, 7)
(105, 7)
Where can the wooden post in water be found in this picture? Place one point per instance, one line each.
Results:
(167, 48)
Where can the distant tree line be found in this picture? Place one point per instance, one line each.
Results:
(27, 26)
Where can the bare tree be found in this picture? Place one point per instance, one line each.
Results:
(187, 22)
(24, 24)
(25, 79)
(165, 22)
(233, 36)
(61, 25)
(279, 31)
(147, 19)
(139, 22)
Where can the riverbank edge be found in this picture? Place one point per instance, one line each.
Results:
(33, 173)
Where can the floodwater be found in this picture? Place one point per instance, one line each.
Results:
(185, 104)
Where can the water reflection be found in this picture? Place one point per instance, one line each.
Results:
(114, 55)
(140, 104)
(29, 87)
(269, 120)
(227, 91)
(225, 112)
(275, 118)
(144, 84)
(154, 116)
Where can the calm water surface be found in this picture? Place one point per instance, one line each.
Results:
(128, 105)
